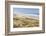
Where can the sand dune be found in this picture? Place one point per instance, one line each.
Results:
(27, 16)
(25, 21)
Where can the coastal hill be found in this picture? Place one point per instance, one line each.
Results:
(22, 20)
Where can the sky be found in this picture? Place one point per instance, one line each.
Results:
(26, 10)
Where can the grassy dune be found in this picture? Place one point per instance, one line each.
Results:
(25, 22)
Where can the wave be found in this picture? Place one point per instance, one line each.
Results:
(26, 15)
(23, 14)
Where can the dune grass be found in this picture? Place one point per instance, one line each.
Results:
(25, 22)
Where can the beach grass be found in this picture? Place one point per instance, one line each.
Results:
(25, 22)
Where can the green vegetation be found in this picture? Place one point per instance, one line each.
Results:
(25, 22)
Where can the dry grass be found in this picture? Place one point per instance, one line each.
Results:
(25, 22)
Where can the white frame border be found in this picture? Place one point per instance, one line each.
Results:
(25, 29)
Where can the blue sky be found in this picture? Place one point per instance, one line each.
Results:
(26, 10)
